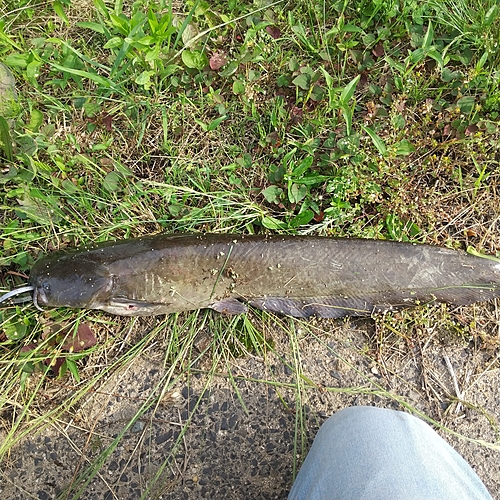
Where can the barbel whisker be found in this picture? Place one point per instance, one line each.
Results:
(35, 302)
(16, 291)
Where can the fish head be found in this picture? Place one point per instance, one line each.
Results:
(69, 282)
(80, 281)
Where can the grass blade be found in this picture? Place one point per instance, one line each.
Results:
(377, 141)
(348, 91)
(6, 139)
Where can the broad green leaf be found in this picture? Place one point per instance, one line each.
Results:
(144, 79)
(101, 8)
(302, 219)
(297, 192)
(113, 43)
(377, 141)
(466, 104)
(399, 122)
(312, 180)
(123, 170)
(369, 40)
(145, 41)
(395, 227)
(186, 22)
(349, 90)
(36, 120)
(481, 62)
(14, 330)
(118, 7)
(100, 80)
(5, 139)
(429, 37)
(38, 208)
(350, 28)
(229, 69)
(16, 60)
(170, 70)
(112, 182)
(58, 9)
(304, 165)
(347, 114)
(473, 251)
(396, 66)
(8, 96)
(404, 147)
(122, 24)
(189, 34)
(491, 15)
(417, 55)
(272, 223)
(27, 144)
(283, 81)
(328, 77)
(433, 53)
(69, 187)
(448, 75)
(303, 81)
(194, 59)
(152, 20)
(215, 123)
(272, 194)
(317, 93)
(153, 54)
(202, 124)
(238, 87)
(98, 28)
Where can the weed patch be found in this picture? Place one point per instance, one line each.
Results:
(375, 119)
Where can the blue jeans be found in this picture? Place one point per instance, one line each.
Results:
(364, 452)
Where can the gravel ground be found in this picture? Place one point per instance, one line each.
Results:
(245, 437)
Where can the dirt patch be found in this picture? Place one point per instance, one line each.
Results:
(244, 434)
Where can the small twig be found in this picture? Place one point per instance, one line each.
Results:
(497, 318)
(455, 383)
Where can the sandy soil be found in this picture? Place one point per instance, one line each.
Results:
(246, 438)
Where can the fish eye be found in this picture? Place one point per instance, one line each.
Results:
(46, 286)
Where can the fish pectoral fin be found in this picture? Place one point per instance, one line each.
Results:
(132, 304)
(229, 306)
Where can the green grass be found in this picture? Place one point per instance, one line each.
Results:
(369, 119)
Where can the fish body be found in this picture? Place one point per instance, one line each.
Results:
(300, 276)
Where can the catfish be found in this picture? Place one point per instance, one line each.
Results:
(299, 276)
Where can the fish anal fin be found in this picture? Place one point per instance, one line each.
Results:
(229, 306)
(325, 307)
(365, 304)
(302, 308)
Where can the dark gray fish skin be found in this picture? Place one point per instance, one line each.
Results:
(300, 276)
